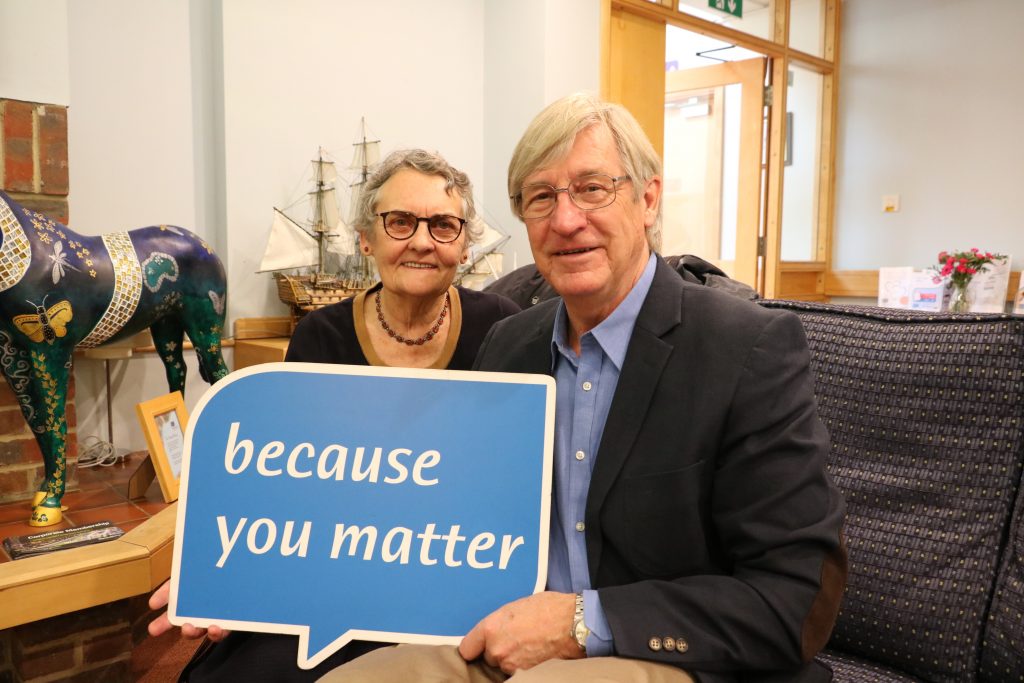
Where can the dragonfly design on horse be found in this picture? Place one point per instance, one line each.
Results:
(60, 290)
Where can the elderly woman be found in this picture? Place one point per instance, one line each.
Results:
(416, 218)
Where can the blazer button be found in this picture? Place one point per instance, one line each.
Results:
(669, 643)
(681, 645)
(654, 644)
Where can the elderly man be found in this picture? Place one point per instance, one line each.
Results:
(695, 534)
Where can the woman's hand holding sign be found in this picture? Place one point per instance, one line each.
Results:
(161, 625)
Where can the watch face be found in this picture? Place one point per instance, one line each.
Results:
(581, 633)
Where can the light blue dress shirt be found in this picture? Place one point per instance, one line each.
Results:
(585, 385)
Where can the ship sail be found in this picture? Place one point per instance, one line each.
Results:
(289, 246)
(328, 173)
(486, 262)
(366, 153)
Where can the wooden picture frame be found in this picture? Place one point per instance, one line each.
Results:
(164, 420)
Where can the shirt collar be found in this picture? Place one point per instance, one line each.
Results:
(614, 332)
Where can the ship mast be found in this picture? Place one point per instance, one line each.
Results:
(366, 154)
(323, 222)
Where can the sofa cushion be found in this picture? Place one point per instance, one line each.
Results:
(926, 414)
(850, 669)
(1002, 648)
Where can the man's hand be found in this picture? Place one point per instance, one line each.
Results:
(525, 633)
(161, 625)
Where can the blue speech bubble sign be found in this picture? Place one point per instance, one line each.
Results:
(342, 502)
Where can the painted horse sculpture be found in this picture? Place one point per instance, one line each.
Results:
(60, 290)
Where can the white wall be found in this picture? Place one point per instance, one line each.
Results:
(205, 114)
(132, 162)
(930, 109)
(531, 58)
(301, 75)
(34, 50)
(130, 121)
(262, 85)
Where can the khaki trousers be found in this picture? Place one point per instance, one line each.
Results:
(443, 663)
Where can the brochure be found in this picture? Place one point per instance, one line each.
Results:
(987, 289)
(904, 287)
(19, 547)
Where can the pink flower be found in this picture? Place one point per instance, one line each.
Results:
(961, 268)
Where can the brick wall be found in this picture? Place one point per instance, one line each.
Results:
(34, 156)
(90, 645)
(34, 171)
(21, 462)
(6, 672)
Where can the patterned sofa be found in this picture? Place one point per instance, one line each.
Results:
(926, 413)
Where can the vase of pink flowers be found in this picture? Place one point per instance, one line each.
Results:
(958, 268)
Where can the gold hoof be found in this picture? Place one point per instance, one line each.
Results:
(45, 516)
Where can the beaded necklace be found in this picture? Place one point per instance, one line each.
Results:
(420, 340)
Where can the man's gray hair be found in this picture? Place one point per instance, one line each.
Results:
(550, 137)
(428, 163)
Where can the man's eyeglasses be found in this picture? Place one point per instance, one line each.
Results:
(588, 192)
(401, 225)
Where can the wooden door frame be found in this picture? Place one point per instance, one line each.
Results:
(799, 280)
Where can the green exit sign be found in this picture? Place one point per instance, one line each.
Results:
(733, 7)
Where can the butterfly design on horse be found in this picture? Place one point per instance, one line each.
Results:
(101, 288)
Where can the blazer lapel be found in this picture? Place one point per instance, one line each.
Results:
(645, 360)
(532, 352)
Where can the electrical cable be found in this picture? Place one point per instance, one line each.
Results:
(95, 451)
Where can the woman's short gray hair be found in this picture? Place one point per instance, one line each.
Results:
(551, 135)
(428, 163)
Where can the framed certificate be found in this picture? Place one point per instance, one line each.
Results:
(163, 421)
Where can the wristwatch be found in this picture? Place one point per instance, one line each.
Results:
(579, 628)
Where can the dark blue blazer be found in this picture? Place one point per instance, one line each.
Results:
(710, 518)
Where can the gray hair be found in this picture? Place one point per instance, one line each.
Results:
(428, 163)
(551, 135)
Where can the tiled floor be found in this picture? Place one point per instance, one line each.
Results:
(103, 496)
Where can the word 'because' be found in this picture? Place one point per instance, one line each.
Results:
(332, 461)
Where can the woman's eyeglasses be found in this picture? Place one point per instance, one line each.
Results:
(401, 225)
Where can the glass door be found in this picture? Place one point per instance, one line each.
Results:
(714, 132)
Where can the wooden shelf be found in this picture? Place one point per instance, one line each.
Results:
(255, 351)
(70, 580)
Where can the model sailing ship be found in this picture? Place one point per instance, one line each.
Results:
(324, 243)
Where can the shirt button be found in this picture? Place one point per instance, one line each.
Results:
(669, 643)
(534, 300)
(580, 455)
(682, 645)
(654, 644)
(580, 526)
(587, 386)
